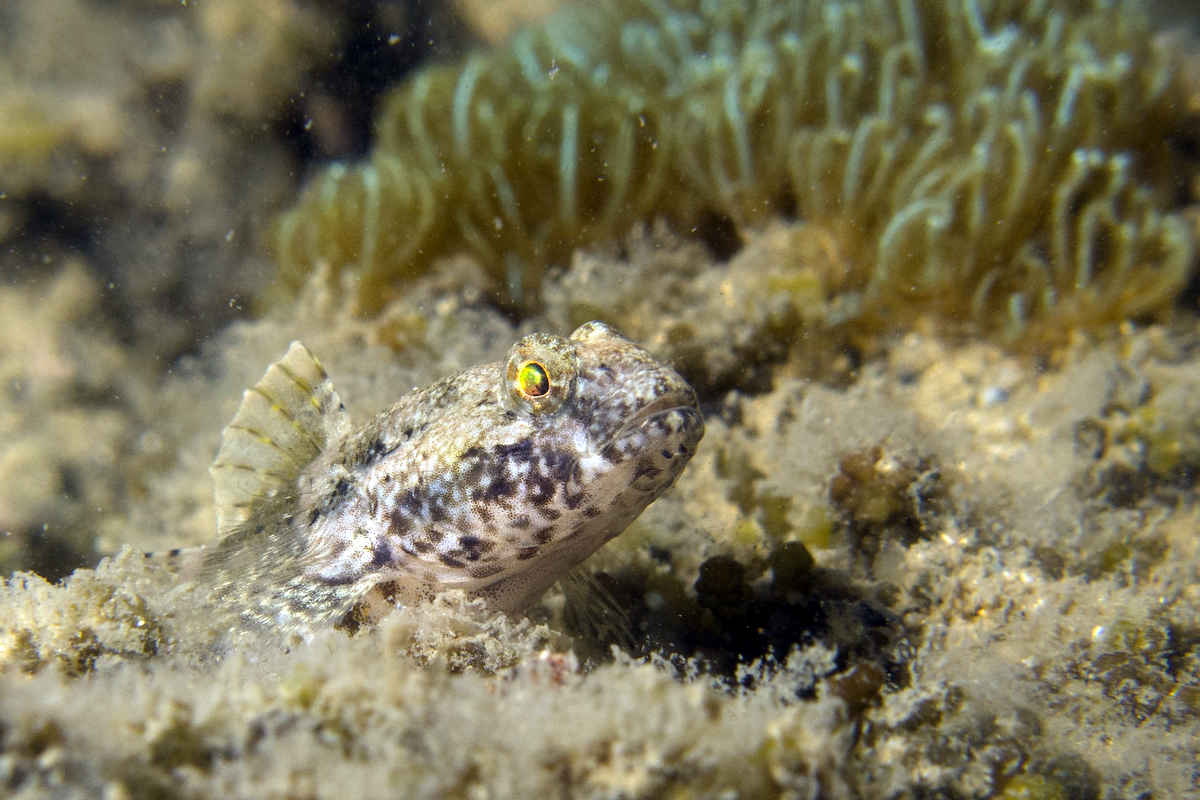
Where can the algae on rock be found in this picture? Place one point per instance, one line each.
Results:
(1004, 163)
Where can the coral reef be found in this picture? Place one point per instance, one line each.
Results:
(496, 20)
(1005, 164)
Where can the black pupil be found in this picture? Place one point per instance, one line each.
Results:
(534, 381)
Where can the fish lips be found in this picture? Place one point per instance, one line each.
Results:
(660, 438)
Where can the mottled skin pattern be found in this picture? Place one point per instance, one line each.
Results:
(496, 480)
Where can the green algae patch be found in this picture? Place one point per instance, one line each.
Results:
(1004, 166)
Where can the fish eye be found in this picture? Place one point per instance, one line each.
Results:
(541, 373)
(532, 380)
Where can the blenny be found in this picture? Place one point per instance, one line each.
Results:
(496, 480)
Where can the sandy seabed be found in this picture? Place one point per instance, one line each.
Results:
(951, 571)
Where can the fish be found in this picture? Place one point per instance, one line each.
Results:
(496, 481)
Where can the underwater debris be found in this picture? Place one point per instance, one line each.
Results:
(880, 496)
(1005, 164)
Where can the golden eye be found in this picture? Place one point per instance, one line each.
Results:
(540, 375)
(532, 380)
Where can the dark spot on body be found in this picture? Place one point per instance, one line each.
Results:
(521, 522)
(341, 488)
(484, 570)
(437, 509)
(543, 535)
(557, 465)
(451, 561)
(666, 454)
(541, 488)
(381, 555)
(389, 590)
(472, 547)
(422, 546)
(591, 512)
(410, 501)
(398, 522)
(526, 553)
(500, 486)
(521, 450)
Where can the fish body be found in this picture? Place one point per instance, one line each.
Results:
(496, 480)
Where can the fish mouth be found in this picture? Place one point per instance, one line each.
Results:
(662, 405)
(682, 400)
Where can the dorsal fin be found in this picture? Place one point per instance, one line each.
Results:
(282, 425)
